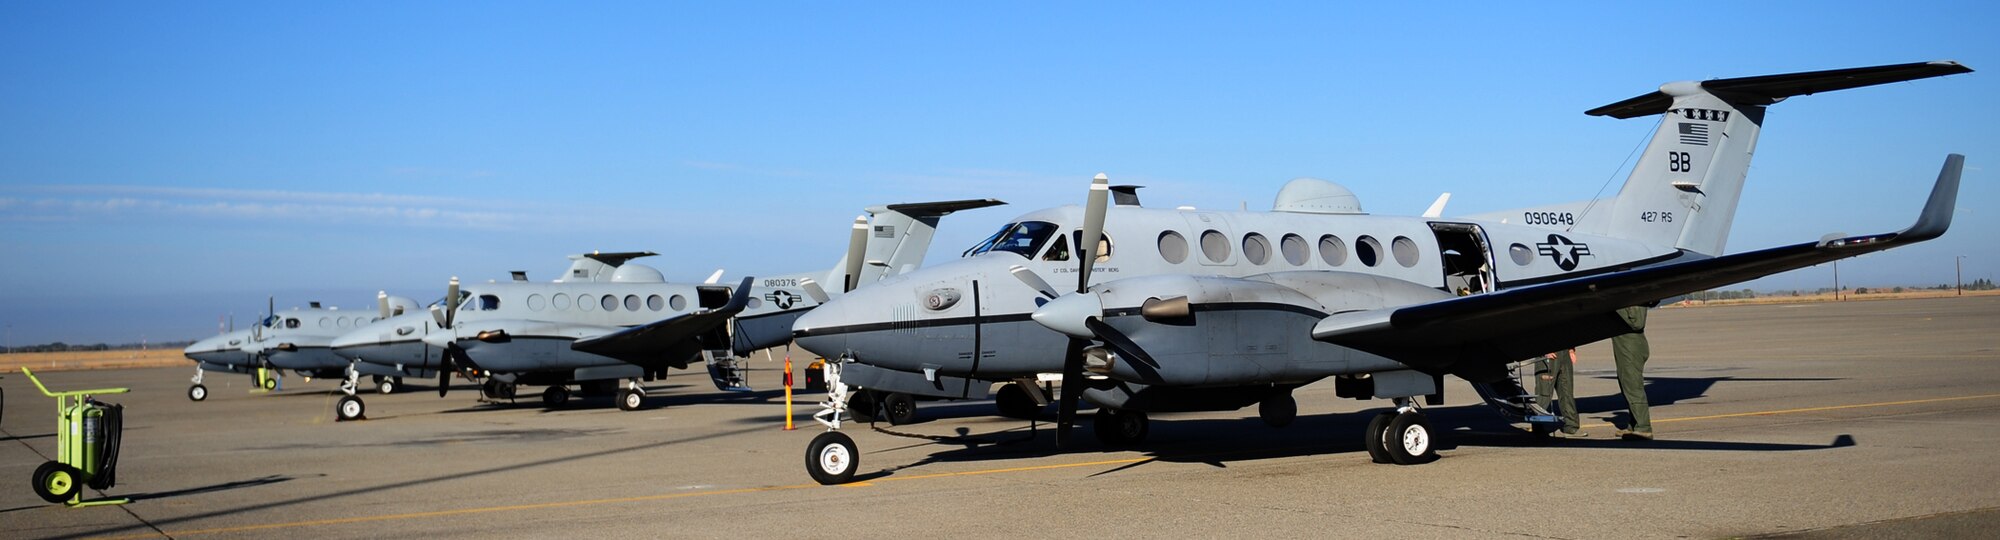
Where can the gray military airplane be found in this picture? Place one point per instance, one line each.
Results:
(1192, 310)
(622, 321)
(294, 340)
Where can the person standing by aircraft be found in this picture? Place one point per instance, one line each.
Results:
(1630, 352)
(1555, 374)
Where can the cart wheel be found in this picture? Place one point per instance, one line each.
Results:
(197, 393)
(349, 408)
(832, 458)
(56, 482)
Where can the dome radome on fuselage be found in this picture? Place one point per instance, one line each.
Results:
(1315, 196)
(637, 273)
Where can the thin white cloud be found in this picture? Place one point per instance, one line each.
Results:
(56, 203)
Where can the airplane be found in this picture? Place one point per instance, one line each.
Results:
(623, 321)
(295, 340)
(1181, 310)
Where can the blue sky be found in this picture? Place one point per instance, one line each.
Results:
(164, 164)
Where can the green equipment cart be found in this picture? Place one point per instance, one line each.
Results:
(87, 440)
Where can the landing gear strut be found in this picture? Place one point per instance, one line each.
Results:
(832, 457)
(1403, 437)
(350, 406)
(197, 392)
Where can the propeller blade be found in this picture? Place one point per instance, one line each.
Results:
(437, 316)
(444, 370)
(1119, 342)
(1033, 281)
(1093, 229)
(382, 304)
(1072, 390)
(451, 302)
(857, 252)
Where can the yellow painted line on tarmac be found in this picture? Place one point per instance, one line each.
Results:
(1811, 409)
(979, 472)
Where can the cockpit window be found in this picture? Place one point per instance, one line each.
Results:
(987, 244)
(1024, 238)
(488, 302)
(1059, 251)
(291, 322)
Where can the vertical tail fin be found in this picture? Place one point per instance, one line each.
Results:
(900, 234)
(1684, 189)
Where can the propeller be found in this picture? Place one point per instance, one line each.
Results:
(450, 358)
(1073, 354)
(382, 304)
(857, 252)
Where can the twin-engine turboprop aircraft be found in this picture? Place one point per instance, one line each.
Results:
(297, 339)
(1190, 310)
(623, 321)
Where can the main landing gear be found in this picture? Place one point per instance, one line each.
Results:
(632, 396)
(555, 396)
(387, 385)
(1402, 436)
(1117, 427)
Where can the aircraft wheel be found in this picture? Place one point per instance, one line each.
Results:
(1409, 440)
(901, 408)
(1378, 428)
(555, 396)
(1278, 411)
(56, 482)
(271, 383)
(1119, 428)
(386, 385)
(197, 393)
(1014, 402)
(349, 408)
(832, 458)
(861, 407)
(630, 400)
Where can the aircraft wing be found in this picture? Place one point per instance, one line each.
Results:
(666, 339)
(1475, 336)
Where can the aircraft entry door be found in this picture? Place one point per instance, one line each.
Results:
(1467, 259)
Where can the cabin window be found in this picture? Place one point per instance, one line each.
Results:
(631, 302)
(755, 303)
(488, 302)
(325, 322)
(1173, 247)
(1294, 248)
(678, 302)
(1521, 255)
(535, 302)
(610, 302)
(1256, 248)
(1368, 250)
(1103, 245)
(560, 301)
(340, 322)
(654, 302)
(1332, 250)
(1214, 246)
(586, 302)
(1405, 251)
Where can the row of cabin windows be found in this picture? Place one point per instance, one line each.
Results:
(329, 322)
(1257, 249)
(609, 302)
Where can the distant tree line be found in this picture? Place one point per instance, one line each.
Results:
(66, 347)
(1981, 284)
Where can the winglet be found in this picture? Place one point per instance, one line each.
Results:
(713, 278)
(1944, 199)
(1437, 208)
(739, 299)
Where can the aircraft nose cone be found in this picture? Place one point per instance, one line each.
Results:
(813, 331)
(1068, 312)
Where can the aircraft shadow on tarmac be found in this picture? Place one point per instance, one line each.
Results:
(1218, 442)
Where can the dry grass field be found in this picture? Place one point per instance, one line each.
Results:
(1845, 296)
(63, 361)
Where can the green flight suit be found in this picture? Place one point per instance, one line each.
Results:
(1561, 383)
(1630, 352)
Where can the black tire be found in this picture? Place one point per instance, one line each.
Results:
(56, 482)
(1013, 402)
(861, 406)
(630, 400)
(1278, 411)
(271, 383)
(1410, 439)
(1115, 427)
(555, 396)
(1378, 428)
(901, 408)
(349, 408)
(832, 458)
(197, 393)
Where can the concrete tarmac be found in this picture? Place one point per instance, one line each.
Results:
(1832, 420)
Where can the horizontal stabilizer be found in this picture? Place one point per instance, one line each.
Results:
(1769, 89)
(617, 258)
(1476, 334)
(941, 208)
(655, 342)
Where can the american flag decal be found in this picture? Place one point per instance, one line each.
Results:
(885, 231)
(1693, 133)
(1704, 114)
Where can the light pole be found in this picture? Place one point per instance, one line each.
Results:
(1958, 267)
(1836, 281)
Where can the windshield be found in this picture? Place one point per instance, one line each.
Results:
(1024, 239)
